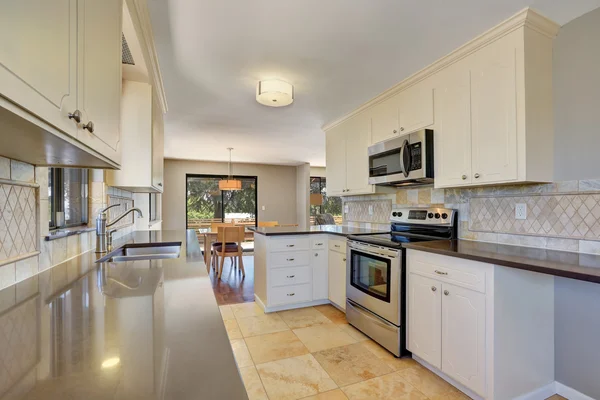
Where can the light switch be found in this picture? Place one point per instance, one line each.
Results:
(370, 209)
(345, 208)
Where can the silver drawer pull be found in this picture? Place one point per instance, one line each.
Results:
(336, 245)
(290, 259)
(440, 272)
(319, 244)
(291, 294)
(290, 245)
(291, 276)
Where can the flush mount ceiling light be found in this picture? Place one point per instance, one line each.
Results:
(274, 93)
(230, 183)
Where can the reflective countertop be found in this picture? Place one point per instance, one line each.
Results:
(132, 330)
(340, 230)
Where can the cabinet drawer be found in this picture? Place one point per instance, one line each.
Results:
(319, 243)
(337, 245)
(289, 259)
(458, 271)
(290, 294)
(290, 243)
(290, 276)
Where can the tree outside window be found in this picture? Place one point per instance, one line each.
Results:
(328, 204)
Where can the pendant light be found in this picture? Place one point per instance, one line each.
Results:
(230, 183)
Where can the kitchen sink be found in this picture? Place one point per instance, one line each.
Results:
(143, 251)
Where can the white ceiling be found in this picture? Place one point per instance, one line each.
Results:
(337, 53)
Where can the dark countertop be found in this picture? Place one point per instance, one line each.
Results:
(339, 230)
(583, 267)
(138, 330)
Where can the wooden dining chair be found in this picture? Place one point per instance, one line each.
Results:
(228, 244)
(267, 224)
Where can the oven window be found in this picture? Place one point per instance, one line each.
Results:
(371, 275)
(385, 163)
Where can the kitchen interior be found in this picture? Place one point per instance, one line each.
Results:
(409, 197)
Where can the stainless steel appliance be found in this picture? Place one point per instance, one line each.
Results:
(376, 273)
(403, 161)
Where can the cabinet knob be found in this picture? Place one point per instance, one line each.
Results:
(316, 254)
(464, 177)
(446, 292)
(477, 176)
(401, 129)
(75, 115)
(160, 184)
(395, 131)
(89, 126)
(344, 259)
(433, 288)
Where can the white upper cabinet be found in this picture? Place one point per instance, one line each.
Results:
(38, 58)
(335, 146)
(100, 27)
(385, 119)
(416, 107)
(158, 147)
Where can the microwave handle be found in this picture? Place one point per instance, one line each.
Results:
(405, 147)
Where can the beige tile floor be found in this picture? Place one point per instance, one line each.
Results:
(312, 353)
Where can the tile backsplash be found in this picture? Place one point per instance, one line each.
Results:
(560, 215)
(18, 224)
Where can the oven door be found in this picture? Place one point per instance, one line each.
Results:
(373, 279)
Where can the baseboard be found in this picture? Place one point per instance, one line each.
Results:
(445, 377)
(570, 393)
(542, 393)
(268, 309)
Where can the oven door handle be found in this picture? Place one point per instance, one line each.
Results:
(376, 321)
(372, 253)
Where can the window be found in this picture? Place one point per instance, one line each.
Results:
(67, 197)
(154, 207)
(320, 203)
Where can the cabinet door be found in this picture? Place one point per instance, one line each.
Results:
(425, 319)
(99, 86)
(38, 58)
(416, 107)
(320, 274)
(158, 150)
(463, 336)
(384, 120)
(493, 113)
(453, 135)
(337, 278)
(357, 157)
(335, 148)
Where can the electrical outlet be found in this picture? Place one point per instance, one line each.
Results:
(370, 210)
(520, 211)
(264, 208)
(346, 209)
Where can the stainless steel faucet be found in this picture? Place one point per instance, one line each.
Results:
(104, 237)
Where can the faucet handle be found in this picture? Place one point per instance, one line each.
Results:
(103, 211)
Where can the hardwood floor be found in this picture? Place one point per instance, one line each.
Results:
(233, 288)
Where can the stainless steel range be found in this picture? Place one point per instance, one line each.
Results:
(376, 273)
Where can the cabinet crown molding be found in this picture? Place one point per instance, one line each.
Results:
(527, 17)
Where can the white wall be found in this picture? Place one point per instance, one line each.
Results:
(276, 189)
(303, 195)
(318, 171)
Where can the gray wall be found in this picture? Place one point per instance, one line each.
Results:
(576, 84)
(577, 126)
(276, 189)
(303, 195)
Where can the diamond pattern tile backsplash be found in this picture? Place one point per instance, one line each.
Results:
(574, 216)
(18, 227)
(358, 211)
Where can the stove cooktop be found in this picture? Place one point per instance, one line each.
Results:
(391, 241)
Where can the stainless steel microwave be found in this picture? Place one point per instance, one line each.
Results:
(406, 160)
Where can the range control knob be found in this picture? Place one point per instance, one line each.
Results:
(394, 214)
(444, 215)
(437, 215)
(399, 214)
(430, 215)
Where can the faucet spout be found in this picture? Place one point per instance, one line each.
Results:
(120, 217)
(104, 238)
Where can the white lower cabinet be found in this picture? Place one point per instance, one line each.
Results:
(320, 275)
(487, 329)
(337, 278)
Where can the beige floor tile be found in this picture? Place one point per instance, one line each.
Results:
(262, 324)
(394, 362)
(226, 313)
(241, 353)
(275, 346)
(453, 394)
(303, 317)
(233, 329)
(426, 381)
(556, 397)
(385, 387)
(351, 364)
(294, 378)
(244, 310)
(253, 384)
(321, 337)
(336, 394)
(333, 314)
(355, 333)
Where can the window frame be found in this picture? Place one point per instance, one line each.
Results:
(56, 197)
